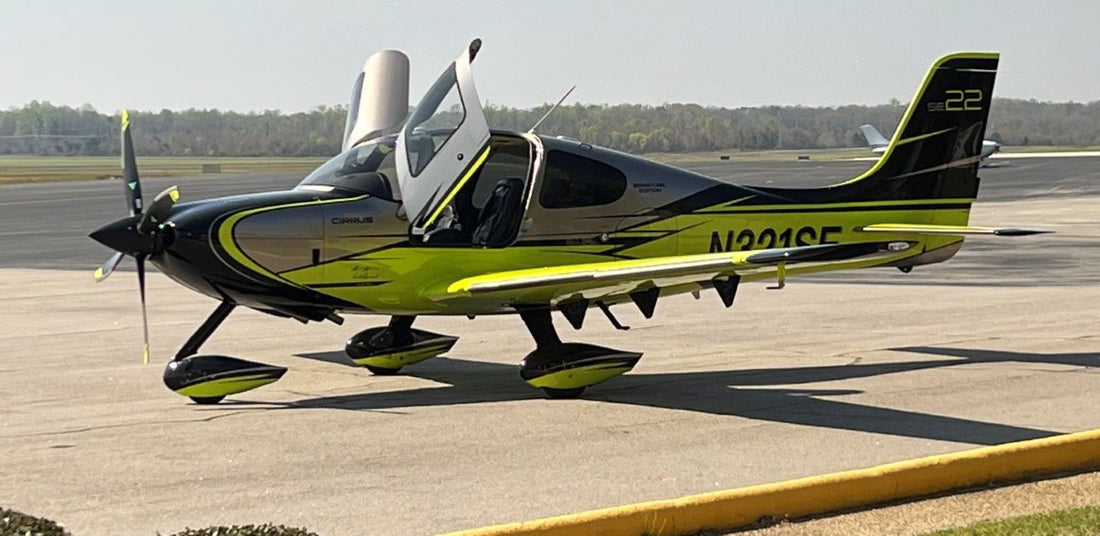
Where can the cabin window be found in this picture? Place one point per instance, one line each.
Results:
(572, 181)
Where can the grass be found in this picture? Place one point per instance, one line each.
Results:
(1073, 522)
(70, 168)
(14, 523)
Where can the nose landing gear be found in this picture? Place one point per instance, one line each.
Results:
(207, 379)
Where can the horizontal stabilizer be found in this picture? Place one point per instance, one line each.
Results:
(948, 229)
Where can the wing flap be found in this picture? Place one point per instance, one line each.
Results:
(927, 229)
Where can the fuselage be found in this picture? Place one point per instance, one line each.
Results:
(319, 248)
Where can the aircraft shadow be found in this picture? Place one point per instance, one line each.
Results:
(761, 394)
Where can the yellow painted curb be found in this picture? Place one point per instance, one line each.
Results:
(825, 493)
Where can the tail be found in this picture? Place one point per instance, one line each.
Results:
(874, 139)
(935, 151)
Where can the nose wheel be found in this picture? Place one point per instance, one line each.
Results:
(561, 394)
(206, 400)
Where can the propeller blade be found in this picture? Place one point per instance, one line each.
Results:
(144, 316)
(102, 272)
(159, 210)
(131, 182)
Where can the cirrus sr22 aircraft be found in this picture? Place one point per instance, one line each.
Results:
(433, 213)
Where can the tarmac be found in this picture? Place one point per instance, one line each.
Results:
(834, 372)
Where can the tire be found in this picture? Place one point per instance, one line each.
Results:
(560, 394)
(206, 400)
(379, 371)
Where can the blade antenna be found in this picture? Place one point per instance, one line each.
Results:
(551, 110)
(144, 316)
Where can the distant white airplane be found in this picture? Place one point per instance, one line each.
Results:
(878, 143)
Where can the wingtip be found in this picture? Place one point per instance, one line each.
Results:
(145, 355)
(125, 119)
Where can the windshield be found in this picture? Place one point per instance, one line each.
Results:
(365, 169)
(434, 120)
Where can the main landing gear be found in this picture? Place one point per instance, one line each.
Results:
(384, 350)
(207, 379)
(565, 369)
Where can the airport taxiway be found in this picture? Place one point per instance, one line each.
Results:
(834, 372)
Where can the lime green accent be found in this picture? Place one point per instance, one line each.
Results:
(225, 236)
(227, 386)
(145, 355)
(458, 186)
(99, 274)
(582, 376)
(913, 107)
(399, 359)
(125, 119)
(609, 267)
(923, 136)
(174, 193)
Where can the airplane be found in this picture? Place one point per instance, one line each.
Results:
(433, 213)
(878, 144)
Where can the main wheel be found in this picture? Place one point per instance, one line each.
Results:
(563, 393)
(383, 339)
(206, 400)
(379, 371)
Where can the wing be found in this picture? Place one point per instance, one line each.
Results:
(620, 278)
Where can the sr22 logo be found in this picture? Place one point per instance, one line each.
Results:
(748, 239)
(958, 100)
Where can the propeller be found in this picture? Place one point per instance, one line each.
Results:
(139, 235)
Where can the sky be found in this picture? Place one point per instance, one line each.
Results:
(293, 56)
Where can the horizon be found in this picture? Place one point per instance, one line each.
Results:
(487, 105)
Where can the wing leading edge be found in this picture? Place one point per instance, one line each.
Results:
(622, 276)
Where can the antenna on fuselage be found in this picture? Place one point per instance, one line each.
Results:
(551, 110)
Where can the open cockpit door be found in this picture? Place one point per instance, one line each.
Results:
(379, 98)
(443, 143)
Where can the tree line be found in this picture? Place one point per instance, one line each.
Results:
(40, 128)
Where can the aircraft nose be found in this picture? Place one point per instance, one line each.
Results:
(122, 235)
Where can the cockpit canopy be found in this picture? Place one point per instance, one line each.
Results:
(434, 121)
(366, 169)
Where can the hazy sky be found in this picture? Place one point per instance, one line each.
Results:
(253, 55)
